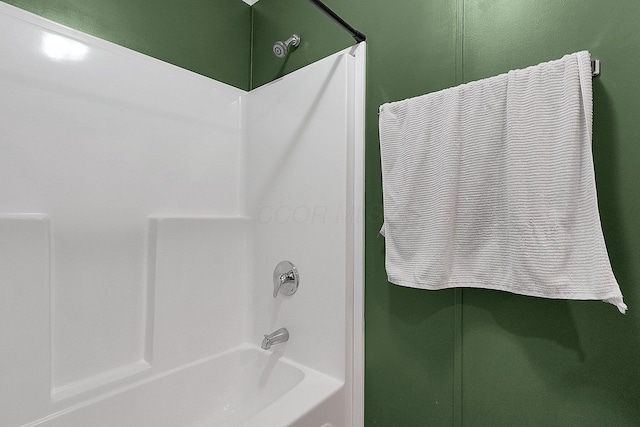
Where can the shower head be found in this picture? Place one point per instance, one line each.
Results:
(280, 48)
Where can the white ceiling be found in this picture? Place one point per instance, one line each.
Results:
(250, 2)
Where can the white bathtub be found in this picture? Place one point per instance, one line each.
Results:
(245, 386)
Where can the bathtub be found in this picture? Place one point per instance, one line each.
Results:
(245, 386)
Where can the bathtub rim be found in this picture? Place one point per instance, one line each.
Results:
(330, 385)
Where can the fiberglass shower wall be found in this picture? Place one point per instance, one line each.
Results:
(304, 162)
(143, 209)
(300, 155)
(118, 175)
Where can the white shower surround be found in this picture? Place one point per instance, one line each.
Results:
(142, 211)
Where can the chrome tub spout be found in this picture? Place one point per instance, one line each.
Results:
(277, 337)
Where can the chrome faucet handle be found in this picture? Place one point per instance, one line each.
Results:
(285, 279)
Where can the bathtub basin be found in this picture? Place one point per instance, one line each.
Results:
(245, 386)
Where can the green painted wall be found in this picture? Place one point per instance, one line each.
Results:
(456, 357)
(209, 37)
(477, 357)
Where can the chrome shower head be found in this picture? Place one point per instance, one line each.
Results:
(280, 48)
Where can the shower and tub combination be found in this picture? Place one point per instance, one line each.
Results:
(171, 253)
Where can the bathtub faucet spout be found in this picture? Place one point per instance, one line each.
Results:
(277, 337)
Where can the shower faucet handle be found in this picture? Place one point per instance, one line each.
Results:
(285, 279)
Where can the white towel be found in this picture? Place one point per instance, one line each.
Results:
(491, 185)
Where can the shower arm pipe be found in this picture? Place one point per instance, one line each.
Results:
(357, 35)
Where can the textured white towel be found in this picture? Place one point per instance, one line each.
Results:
(491, 185)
